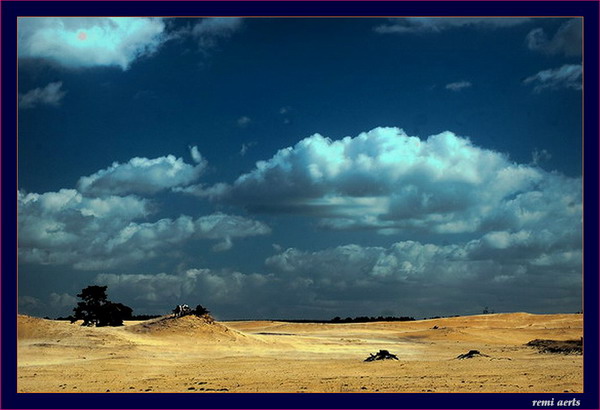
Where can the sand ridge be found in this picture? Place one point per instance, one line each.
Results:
(196, 354)
(190, 325)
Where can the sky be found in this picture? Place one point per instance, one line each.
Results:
(301, 168)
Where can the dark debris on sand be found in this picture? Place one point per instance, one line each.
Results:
(381, 355)
(471, 354)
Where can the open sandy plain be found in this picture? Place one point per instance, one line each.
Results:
(192, 354)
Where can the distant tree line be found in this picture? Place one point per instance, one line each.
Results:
(144, 317)
(365, 319)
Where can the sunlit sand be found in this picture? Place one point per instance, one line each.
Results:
(194, 354)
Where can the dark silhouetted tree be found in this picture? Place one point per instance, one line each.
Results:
(201, 310)
(113, 314)
(96, 309)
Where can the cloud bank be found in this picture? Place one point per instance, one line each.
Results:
(405, 278)
(420, 278)
(495, 230)
(68, 228)
(81, 42)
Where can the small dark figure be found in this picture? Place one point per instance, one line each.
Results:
(181, 310)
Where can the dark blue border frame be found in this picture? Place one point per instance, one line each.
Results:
(11, 9)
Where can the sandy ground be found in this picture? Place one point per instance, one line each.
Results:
(190, 354)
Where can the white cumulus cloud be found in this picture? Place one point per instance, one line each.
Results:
(568, 76)
(52, 94)
(104, 222)
(389, 181)
(89, 41)
(143, 175)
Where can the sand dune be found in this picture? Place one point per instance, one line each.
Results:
(189, 328)
(195, 354)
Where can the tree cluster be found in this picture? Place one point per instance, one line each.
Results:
(96, 310)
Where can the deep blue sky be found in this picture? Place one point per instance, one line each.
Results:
(483, 214)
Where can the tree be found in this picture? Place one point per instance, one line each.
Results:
(96, 309)
(201, 310)
(113, 314)
(93, 298)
